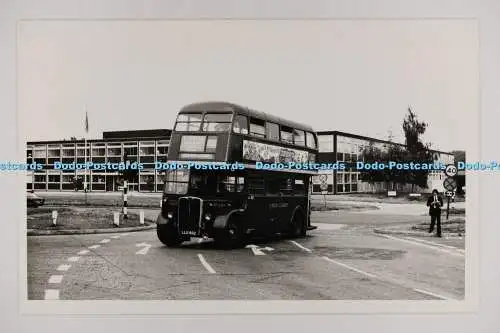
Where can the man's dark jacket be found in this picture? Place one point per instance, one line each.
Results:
(434, 210)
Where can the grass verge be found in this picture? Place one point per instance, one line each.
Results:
(79, 218)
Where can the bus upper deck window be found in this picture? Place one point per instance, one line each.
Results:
(311, 143)
(286, 135)
(189, 122)
(299, 137)
(240, 125)
(257, 128)
(273, 131)
(217, 122)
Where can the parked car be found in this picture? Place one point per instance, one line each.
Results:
(34, 200)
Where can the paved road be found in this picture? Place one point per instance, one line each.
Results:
(341, 260)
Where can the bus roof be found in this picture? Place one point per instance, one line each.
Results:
(221, 107)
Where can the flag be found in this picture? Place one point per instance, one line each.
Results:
(86, 122)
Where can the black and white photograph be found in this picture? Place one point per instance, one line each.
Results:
(249, 160)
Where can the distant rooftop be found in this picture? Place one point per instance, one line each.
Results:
(152, 133)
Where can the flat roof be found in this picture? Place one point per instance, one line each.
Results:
(367, 138)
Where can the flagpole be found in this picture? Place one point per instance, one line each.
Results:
(85, 188)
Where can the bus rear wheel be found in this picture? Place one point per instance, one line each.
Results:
(298, 227)
(168, 235)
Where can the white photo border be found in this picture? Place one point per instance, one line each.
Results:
(314, 9)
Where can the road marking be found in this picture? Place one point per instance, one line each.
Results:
(350, 267)
(430, 294)
(73, 259)
(255, 249)
(126, 234)
(206, 264)
(455, 253)
(51, 294)
(55, 279)
(437, 244)
(83, 252)
(63, 268)
(115, 236)
(104, 241)
(94, 247)
(144, 250)
(328, 226)
(300, 246)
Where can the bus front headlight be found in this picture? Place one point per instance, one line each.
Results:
(208, 217)
(170, 215)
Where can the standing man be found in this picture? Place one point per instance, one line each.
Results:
(435, 202)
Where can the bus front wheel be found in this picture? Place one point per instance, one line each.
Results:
(168, 235)
(231, 236)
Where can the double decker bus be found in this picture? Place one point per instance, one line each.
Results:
(224, 179)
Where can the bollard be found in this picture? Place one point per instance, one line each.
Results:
(141, 217)
(54, 217)
(116, 218)
(125, 199)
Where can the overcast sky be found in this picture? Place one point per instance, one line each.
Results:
(354, 76)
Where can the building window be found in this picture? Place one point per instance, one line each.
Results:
(325, 143)
(272, 131)
(68, 152)
(340, 177)
(147, 151)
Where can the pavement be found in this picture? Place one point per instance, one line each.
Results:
(341, 260)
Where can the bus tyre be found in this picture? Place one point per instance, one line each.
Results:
(231, 236)
(168, 235)
(298, 226)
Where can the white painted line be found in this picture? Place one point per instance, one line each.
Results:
(206, 264)
(73, 259)
(83, 252)
(51, 294)
(300, 246)
(455, 253)
(104, 241)
(349, 267)
(55, 279)
(94, 247)
(328, 226)
(437, 244)
(255, 249)
(63, 268)
(115, 236)
(257, 252)
(145, 248)
(430, 294)
(125, 234)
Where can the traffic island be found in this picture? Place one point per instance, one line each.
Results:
(80, 220)
(317, 206)
(454, 227)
